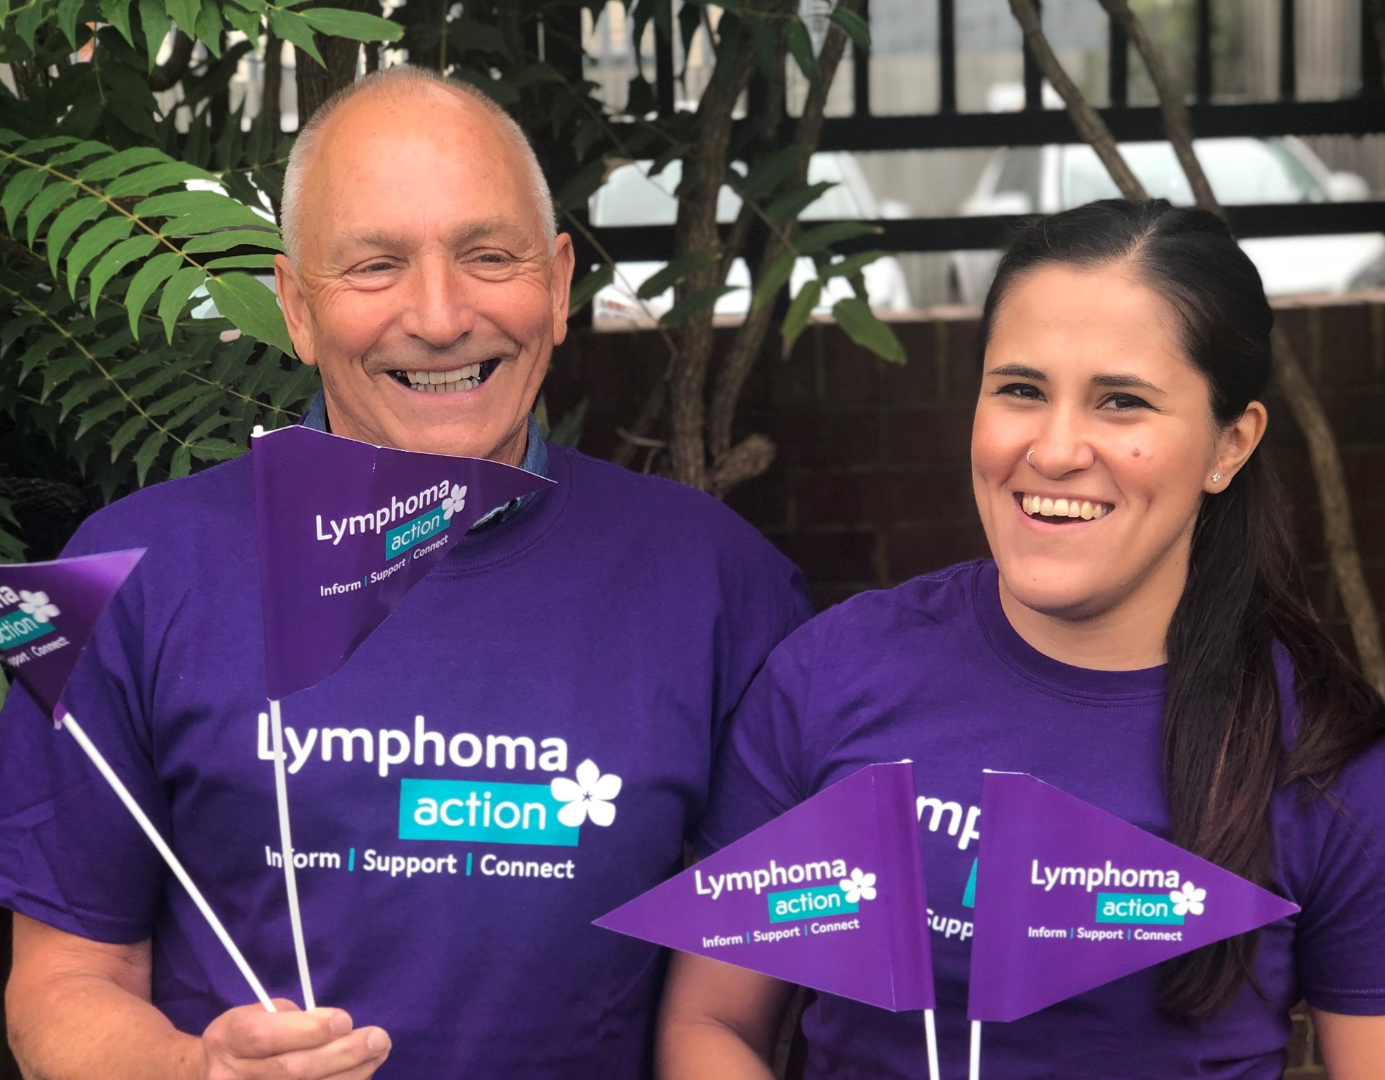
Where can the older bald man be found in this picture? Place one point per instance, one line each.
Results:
(588, 642)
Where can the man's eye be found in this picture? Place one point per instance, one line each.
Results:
(1125, 402)
(375, 267)
(1023, 391)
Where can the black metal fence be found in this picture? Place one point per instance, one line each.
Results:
(1361, 114)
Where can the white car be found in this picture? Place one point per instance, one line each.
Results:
(631, 196)
(1047, 179)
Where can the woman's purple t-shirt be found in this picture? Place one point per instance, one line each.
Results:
(447, 886)
(932, 672)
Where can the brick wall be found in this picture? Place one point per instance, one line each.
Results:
(872, 484)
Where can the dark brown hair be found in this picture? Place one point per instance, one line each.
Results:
(1224, 754)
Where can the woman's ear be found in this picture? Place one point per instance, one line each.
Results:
(1235, 445)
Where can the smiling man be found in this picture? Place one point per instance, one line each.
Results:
(524, 746)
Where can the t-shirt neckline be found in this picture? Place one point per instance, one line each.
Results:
(1084, 684)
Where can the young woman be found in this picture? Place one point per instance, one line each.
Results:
(1137, 642)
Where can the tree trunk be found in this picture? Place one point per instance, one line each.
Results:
(317, 83)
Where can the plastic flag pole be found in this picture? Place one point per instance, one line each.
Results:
(281, 794)
(974, 1071)
(930, 1031)
(117, 785)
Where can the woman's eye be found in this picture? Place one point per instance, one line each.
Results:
(1125, 402)
(1023, 391)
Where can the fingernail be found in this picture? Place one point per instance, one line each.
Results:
(339, 1025)
(377, 1042)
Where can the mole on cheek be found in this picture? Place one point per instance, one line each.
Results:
(1136, 452)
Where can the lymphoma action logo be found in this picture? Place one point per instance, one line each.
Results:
(437, 503)
(1167, 907)
(33, 619)
(840, 893)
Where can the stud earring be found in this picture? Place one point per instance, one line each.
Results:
(1216, 478)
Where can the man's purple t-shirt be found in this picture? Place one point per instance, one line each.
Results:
(447, 887)
(933, 672)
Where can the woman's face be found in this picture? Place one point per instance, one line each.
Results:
(1085, 369)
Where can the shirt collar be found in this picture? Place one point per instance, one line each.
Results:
(535, 459)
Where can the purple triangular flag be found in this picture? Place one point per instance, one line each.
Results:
(1069, 897)
(828, 895)
(48, 611)
(345, 529)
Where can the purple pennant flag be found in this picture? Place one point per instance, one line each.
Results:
(48, 611)
(1069, 897)
(829, 895)
(346, 529)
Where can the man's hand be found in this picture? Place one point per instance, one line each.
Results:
(249, 1043)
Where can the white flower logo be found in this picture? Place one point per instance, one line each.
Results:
(1188, 900)
(37, 605)
(452, 504)
(589, 796)
(858, 886)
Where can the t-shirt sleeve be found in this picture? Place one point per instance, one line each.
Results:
(759, 769)
(70, 854)
(1340, 942)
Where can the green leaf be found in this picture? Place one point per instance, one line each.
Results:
(125, 160)
(181, 464)
(229, 214)
(151, 275)
(855, 26)
(292, 27)
(19, 192)
(800, 310)
(850, 266)
(698, 301)
(184, 13)
(175, 295)
(117, 13)
(801, 48)
(147, 181)
(265, 238)
(250, 305)
(177, 203)
(795, 202)
(861, 325)
(217, 450)
(155, 23)
(207, 29)
(674, 272)
(768, 174)
(89, 419)
(762, 36)
(91, 244)
(834, 232)
(356, 25)
(589, 286)
(80, 395)
(29, 20)
(67, 20)
(67, 223)
(144, 458)
(116, 260)
(242, 262)
(778, 273)
(126, 432)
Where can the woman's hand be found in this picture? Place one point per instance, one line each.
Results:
(717, 1020)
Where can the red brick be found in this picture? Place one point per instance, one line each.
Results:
(1346, 346)
(915, 550)
(828, 558)
(917, 380)
(822, 440)
(928, 435)
(963, 361)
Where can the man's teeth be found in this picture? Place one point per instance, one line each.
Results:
(1042, 506)
(445, 382)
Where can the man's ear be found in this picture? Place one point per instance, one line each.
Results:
(560, 284)
(295, 306)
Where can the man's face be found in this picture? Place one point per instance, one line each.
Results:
(423, 286)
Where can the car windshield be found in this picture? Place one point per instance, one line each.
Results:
(1240, 171)
(631, 196)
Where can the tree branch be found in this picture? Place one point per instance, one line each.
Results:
(1089, 124)
(1178, 125)
(167, 74)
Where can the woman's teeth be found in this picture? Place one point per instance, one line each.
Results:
(445, 382)
(1042, 506)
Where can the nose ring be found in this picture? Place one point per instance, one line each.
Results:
(1027, 460)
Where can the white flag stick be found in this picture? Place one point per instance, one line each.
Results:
(930, 1031)
(103, 767)
(281, 792)
(975, 1071)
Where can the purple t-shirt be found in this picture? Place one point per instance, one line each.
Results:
(933, 672)
(447, 885)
